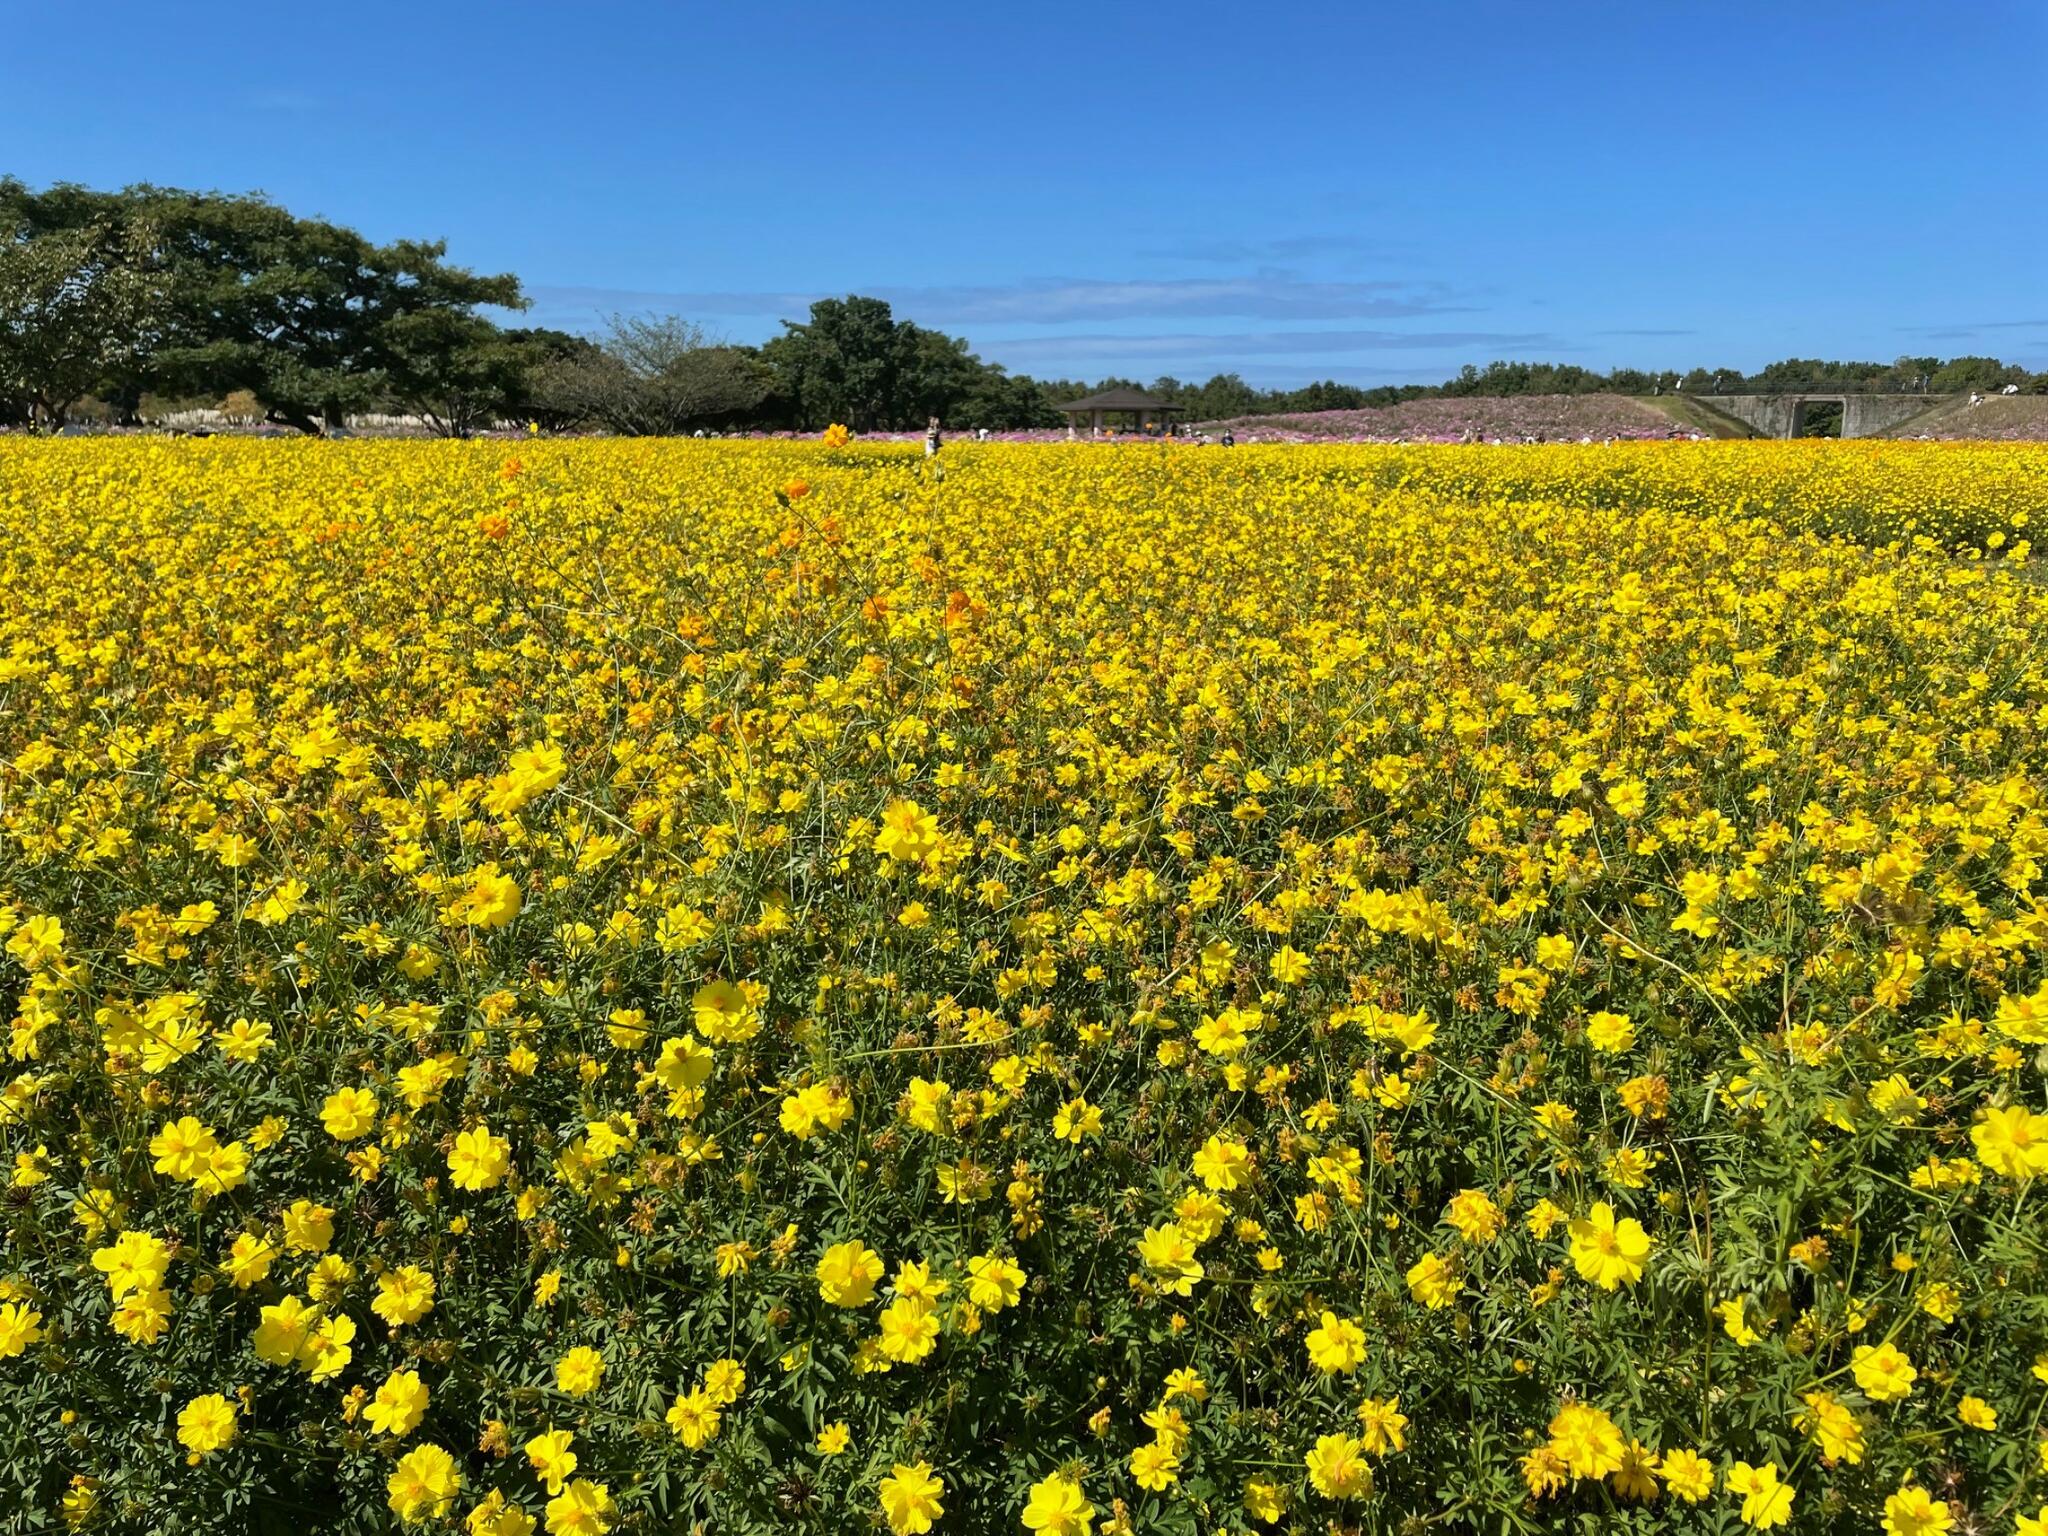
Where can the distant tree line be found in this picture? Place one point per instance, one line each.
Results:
(1905, 375)
(131, 305)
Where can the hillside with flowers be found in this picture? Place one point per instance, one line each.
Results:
(1465, 418)
(743, 987)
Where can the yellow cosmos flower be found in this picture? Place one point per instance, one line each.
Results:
(20, 1326)
(1155, 1466)
(1687, 1474)
(1337, 1468)
(491, 899)
(404, 1296)
(1586, 1441)
(2012, 1141)
(726, 1012)
(1223, 1163)
(1913, 1511)
(308, 1227)
(1607, 1251)
(910, 1498)
(583, 1508)
(1435, 1281)
(578, 1372)
(1265, 1501)
(1076, 1120)
(1169, 1258)
(206, 1424)
(1383, 1427)
(695, 1418)
(1474, 1214)
(400, 1404)
(1057, 1507)
(724, 1382)
(847, 1274)
(478, 1159)
(1610, 1033)
(1832, 1423)
(249, 1260)
(909, 834)
(1336, 1345)
(348, 1113)
(495, 1516)
(994, 1281)
(1766, 1502)
(552, 1459)
(1883, 1371)
(424, 1485)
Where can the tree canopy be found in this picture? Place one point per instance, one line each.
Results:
(852, 361)
(77, 305)
(312, 318)
(653, 377)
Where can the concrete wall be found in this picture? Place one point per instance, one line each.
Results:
(1862, 415)
(1771, 415)
(1868, 415)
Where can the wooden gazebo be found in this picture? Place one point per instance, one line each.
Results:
(1132, 402)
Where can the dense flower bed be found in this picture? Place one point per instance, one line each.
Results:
(1513, 418)
(1964, 498)
(1995, 418)
(724, 987)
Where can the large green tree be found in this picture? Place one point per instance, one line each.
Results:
(76, 306)
(853, 361)
(843, 364)
(1001, 400)
(316, 320)
(653, 376)
(454, 370)
(1961, 374)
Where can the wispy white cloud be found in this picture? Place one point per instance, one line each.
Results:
(1040, 301)
(1090, 350)
(1090, 325)
(1961, 330)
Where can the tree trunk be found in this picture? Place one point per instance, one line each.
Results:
(293, 417)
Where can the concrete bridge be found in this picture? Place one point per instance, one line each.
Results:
(1781, 415)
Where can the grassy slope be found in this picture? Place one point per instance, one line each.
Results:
(1998, 417)
(1693, 416)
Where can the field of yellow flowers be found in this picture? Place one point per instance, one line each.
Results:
(731, 988)
(1971, 499)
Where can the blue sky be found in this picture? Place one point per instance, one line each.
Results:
(1365, 192)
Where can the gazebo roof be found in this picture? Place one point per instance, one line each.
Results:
(1120, 400)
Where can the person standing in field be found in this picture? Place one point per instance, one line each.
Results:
(931, 437)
